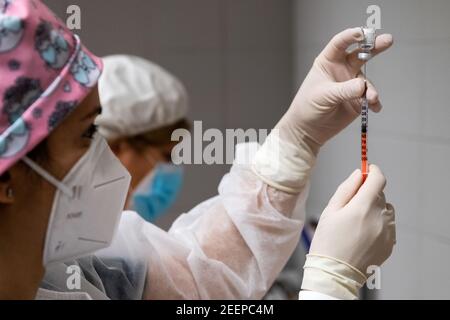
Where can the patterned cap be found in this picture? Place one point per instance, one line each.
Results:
(45, 72)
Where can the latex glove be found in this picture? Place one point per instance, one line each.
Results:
(356, 230)
(330, 97)
(327, 102)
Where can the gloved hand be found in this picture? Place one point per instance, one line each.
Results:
(328, 101)
(356, 230)
(330, 97)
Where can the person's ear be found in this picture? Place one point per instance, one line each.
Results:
(153, 155)
(118, 146)
(6, 189)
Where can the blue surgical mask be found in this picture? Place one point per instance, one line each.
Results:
(158, 191)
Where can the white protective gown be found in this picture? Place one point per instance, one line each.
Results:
(232, 246)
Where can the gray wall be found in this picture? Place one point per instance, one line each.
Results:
(235, 58)
(409, 140)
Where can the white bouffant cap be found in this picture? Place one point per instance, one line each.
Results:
(138, 96)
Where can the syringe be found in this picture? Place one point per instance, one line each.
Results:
(366, 46)
(364, 131)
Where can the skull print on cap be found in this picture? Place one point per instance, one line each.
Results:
(45, 73)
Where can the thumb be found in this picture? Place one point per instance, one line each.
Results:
(372, 187)
(348, 90)
(346, 191)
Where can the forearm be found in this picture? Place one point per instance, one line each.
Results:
(230, 247)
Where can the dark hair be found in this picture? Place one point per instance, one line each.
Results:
(157, 137)
(39, 154)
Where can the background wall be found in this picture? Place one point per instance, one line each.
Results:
(409, 140)
(242, 61)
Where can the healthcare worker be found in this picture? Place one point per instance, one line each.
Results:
(142, 104)
(62, 190)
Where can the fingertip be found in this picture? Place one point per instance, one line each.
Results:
(372, 186)
(372, 95)
(337, 47)
(356, 177)
(384, 41)
(346, 190)
(353, 176)
(376, 107)
(351, 89)
(390, 207)
(360, 86)
(358, 34)
(376, 174)
(374, 168)
(379, 107)
(389, 39)
(373, 98)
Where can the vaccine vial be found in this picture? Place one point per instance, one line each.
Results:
(368, 44)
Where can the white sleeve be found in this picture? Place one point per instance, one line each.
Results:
(232, 246)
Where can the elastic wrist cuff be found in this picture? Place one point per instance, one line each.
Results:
(332, 277)
(283, 165)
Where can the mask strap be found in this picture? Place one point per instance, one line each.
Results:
(44, 174)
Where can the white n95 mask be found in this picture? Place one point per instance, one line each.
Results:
(87, 206)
